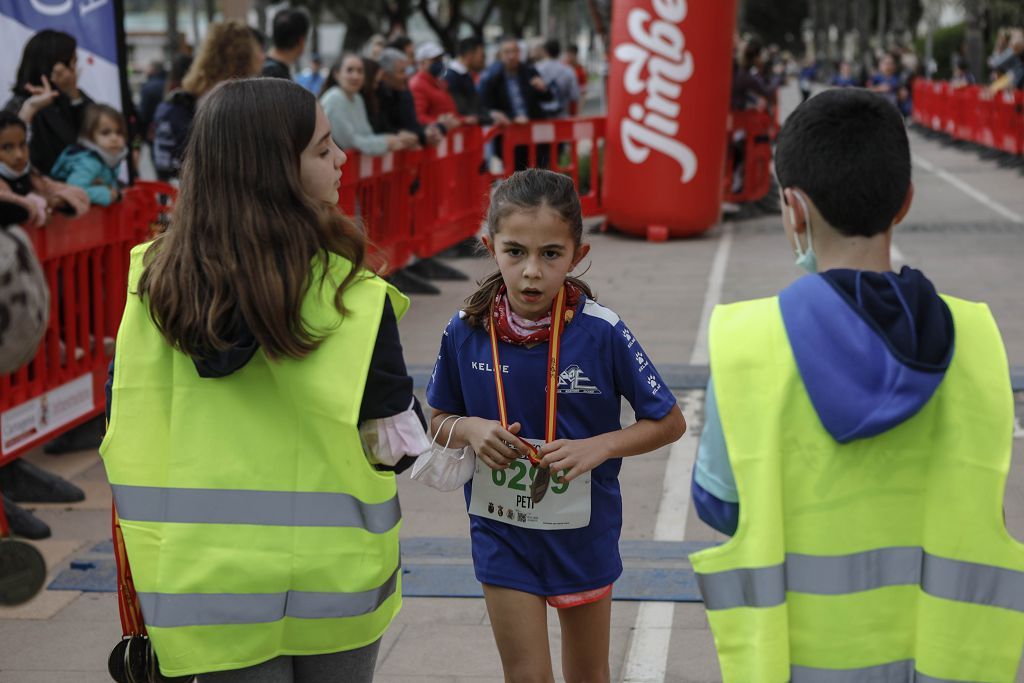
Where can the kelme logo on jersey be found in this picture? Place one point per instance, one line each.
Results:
(573, 381)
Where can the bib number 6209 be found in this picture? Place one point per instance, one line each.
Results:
(517, 471)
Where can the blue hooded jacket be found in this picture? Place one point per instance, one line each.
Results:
(84, 168)
(871, 349)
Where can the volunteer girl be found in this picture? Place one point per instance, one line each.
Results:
(253, 352)
(532, 371)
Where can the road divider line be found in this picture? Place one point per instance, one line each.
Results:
(647, 658)
(970, 191)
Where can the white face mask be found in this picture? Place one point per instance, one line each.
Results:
(807, 260)
(8, 173)
(111, 160)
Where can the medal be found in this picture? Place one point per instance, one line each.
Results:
(542, 477)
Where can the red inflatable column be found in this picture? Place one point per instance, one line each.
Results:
(671, 69)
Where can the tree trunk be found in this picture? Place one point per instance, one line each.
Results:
(211, 10)
(974, 11)
(862, 25)
(315, 11)
(358, 31)
(883, 12)
(900, 20)
(171, 7)
(261, 15)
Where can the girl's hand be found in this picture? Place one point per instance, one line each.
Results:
(569, 458)
(491, 441)
(41, 98)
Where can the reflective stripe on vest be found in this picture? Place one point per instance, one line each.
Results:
(168, 610)
(894, 672)
(841, 575)
(270, 508)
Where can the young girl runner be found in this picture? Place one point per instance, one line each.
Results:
(538, 541)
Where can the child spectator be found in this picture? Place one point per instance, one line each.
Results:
(21, 184)
(93, 161)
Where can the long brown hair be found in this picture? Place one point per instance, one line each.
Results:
(331, 81)
(244, 232)
(228, 51)
(527, 191)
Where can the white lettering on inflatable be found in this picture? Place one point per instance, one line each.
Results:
(659, 48)
(52, 10)
(93, 5)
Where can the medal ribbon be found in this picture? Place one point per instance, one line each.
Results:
(554, 349)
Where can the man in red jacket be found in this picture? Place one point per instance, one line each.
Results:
(430, 91)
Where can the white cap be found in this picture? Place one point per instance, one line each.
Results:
(428, 50)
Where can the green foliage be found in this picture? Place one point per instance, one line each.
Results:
(776, 21)
(946, 42)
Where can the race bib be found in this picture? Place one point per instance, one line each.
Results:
(504, 496)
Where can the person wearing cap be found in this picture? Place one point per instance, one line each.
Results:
(430, 90)
(312, 77)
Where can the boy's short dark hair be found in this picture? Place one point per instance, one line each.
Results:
(8, 119)
(468, 45)
(290, 27)
(848, 150)
(400, 43)
(553, 47)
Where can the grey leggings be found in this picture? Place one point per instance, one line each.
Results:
(353, 666)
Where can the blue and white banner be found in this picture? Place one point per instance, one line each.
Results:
(95, 24)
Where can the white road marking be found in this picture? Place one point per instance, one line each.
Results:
(647, 659)
(970, 191)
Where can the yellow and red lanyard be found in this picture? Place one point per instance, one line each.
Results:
(554, 348)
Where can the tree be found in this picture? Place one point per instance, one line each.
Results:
(451, 14)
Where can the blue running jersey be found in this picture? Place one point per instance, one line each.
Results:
(601, 362)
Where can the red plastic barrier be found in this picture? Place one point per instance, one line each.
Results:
(86, 265)
(671, 68)
(567, 144)
(1008, 122)
(984, 118)
(972, 114)
(377, 191)
(452, 193)
(760, 128)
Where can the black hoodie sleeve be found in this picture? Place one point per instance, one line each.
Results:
(388, 389)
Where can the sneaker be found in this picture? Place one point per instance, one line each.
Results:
(23, 482)
(23, 523)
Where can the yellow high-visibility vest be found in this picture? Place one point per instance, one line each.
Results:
(885, 559)
(253, 522)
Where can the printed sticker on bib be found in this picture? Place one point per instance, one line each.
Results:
(504, 496)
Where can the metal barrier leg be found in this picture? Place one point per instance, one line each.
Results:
(410, 283)
(432, 269)
(23, 523)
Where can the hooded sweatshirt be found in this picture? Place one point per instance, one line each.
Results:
(871, 349)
